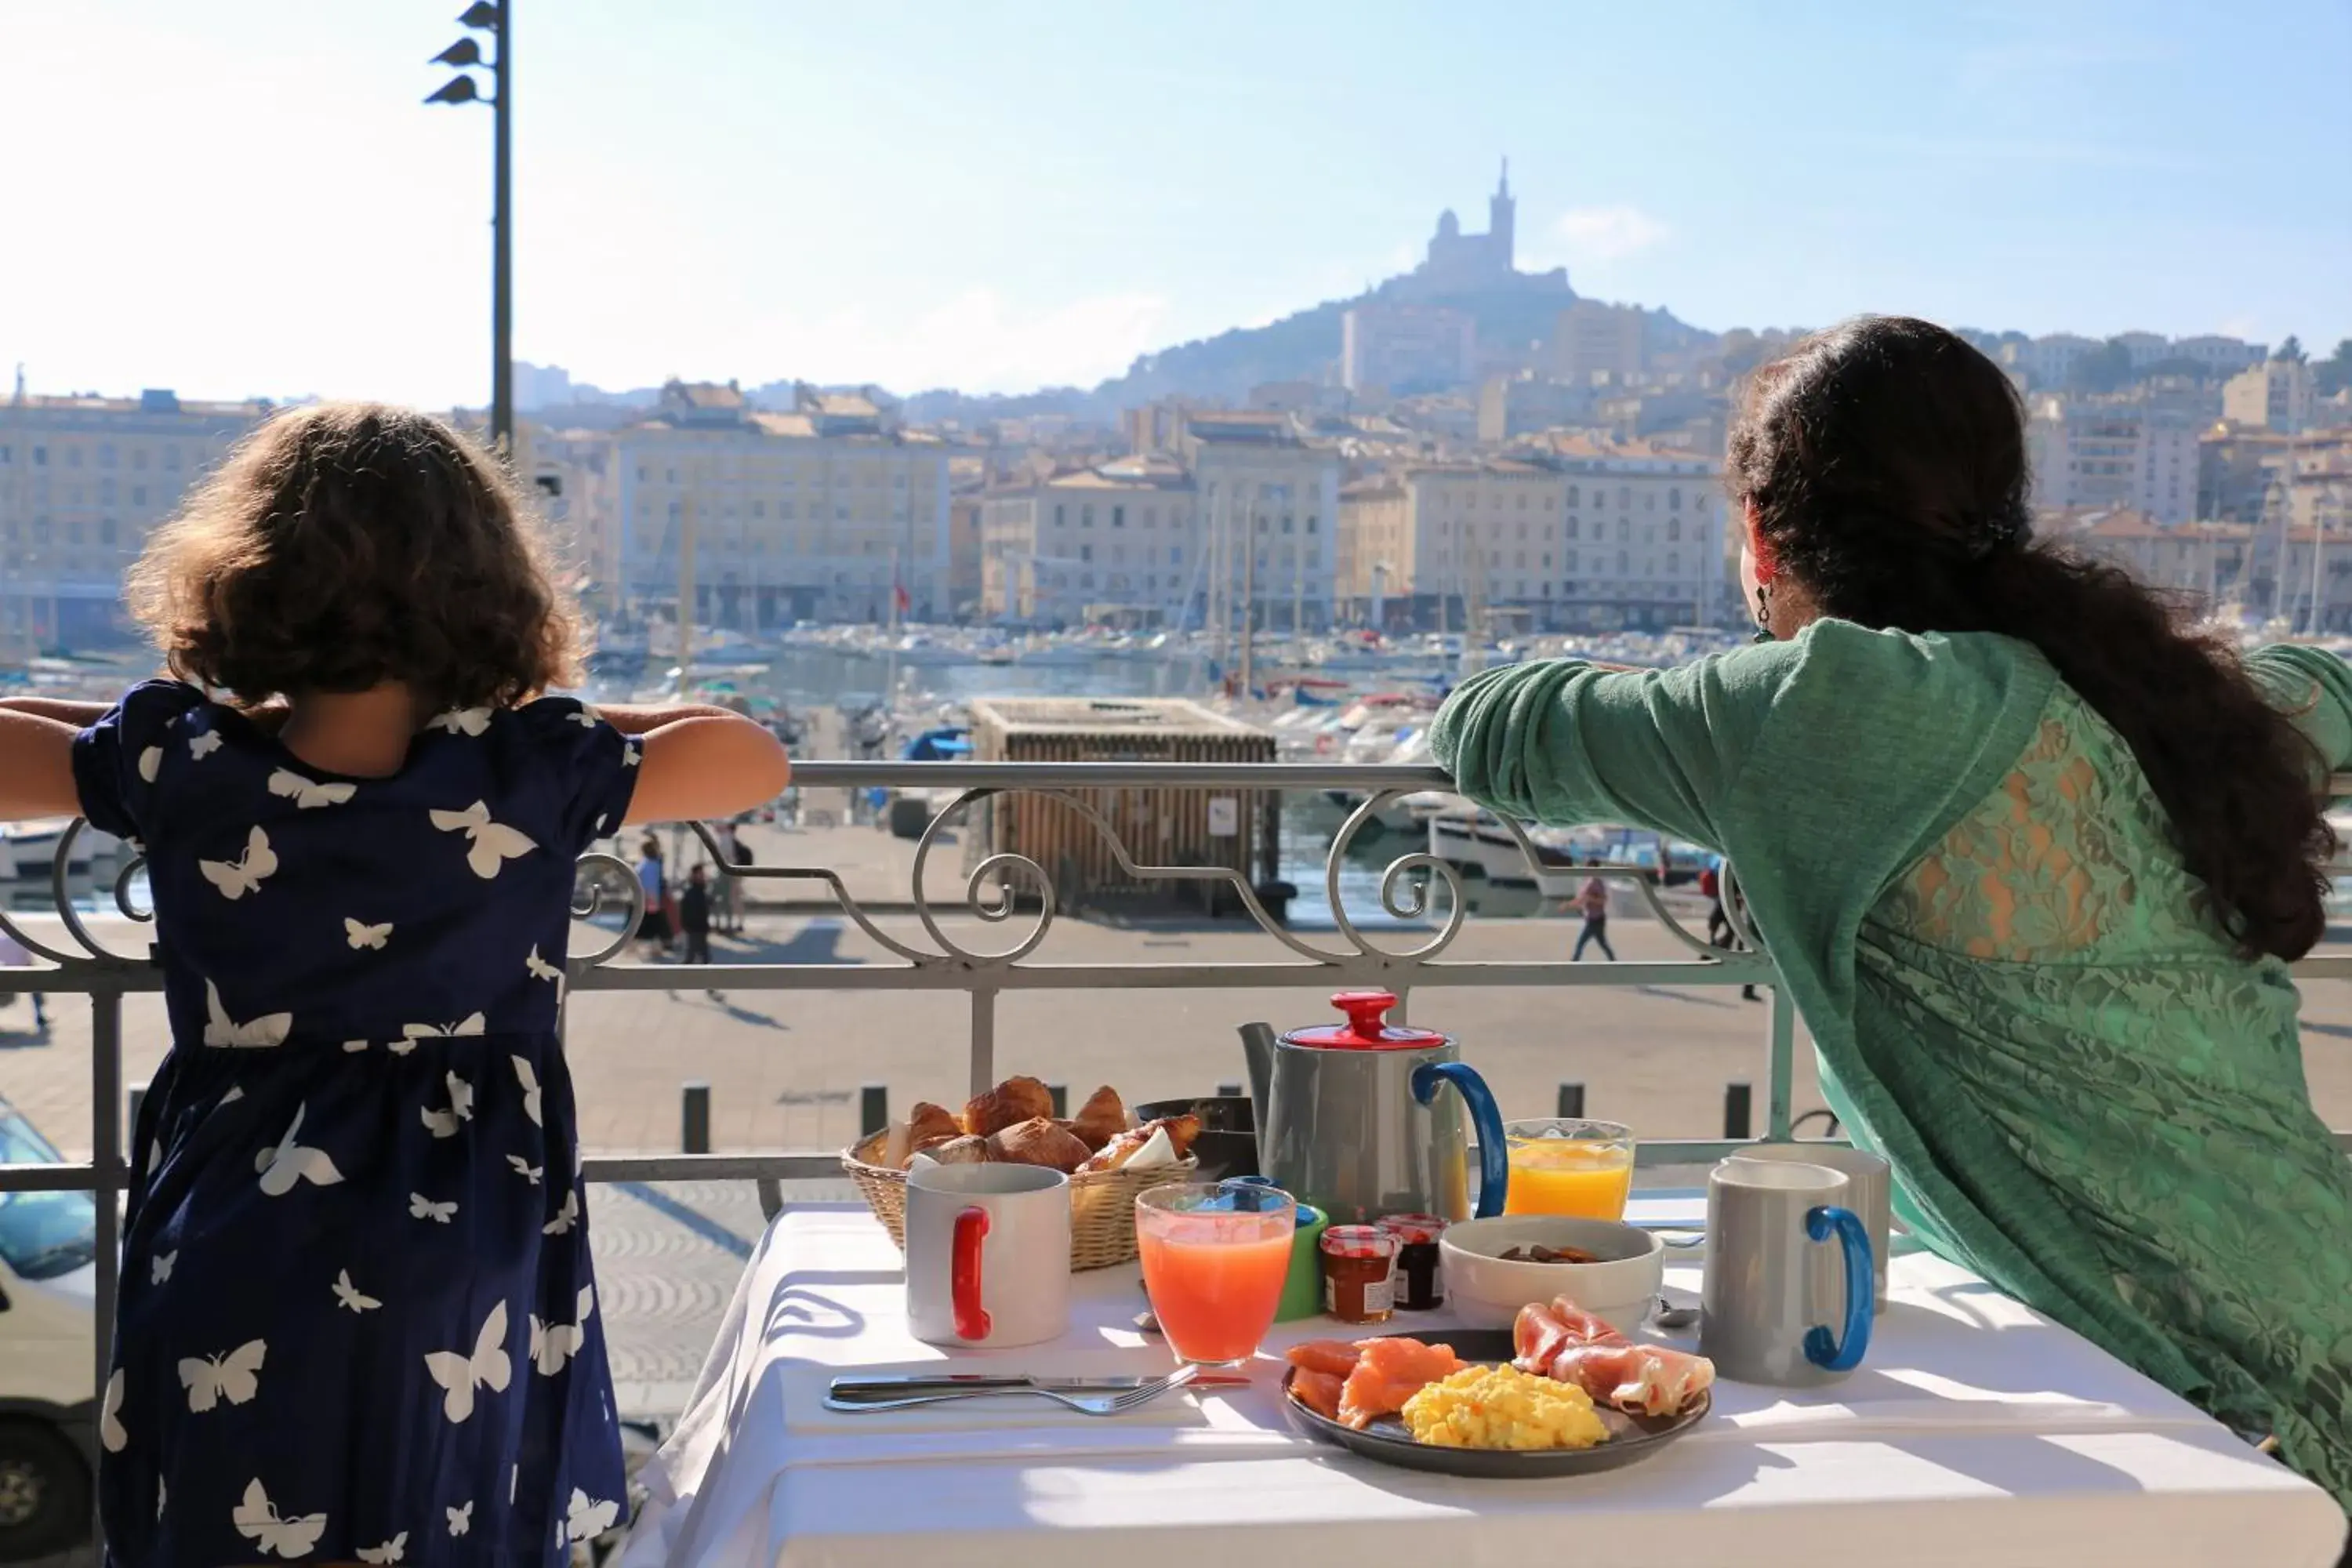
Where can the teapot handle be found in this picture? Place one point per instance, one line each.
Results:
(1493, 1154)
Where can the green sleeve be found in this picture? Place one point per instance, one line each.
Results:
(2314, 688)
(1565, 741)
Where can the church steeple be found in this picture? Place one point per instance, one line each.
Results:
(1500, 222)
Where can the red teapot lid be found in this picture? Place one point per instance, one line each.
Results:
(1367, 1028)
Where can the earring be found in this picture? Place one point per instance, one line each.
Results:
(1763, 614)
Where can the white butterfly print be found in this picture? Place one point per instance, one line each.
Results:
(526, 1170)
(401, 1047)
(471, 1024)
(257, 1520)
(552, 1344)
(489, 1367)
(587, 718)
(461, 720)
(529, 1078)
(220, 1029)
(307, 794)
(232, 1375)
(538, 968)
(632, 753)
(586, 1519)
(565, 1217)
(461, 1520)
(348, 1295)
(234, 879)
(494, 843)
(204, 745)
(290, 1162)
(355, 1046)
(443, 1123)
(151, 762)
(392, 1551)
(110, 1434)
(422, 1207)
(360, 934)
(158, 1267)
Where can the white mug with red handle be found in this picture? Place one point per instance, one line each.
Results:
(988, 1255)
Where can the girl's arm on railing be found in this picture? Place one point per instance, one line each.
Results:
(36, 776)
(644, 718)
(80, 715)
(700, 763)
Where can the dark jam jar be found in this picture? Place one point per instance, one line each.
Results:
(1421, 1275)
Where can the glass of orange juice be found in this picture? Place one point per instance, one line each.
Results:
(1570, 1167)
(1215, 1260)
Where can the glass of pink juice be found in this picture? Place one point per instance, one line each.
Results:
(1215, 1260)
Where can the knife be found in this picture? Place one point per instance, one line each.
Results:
(899, 1387)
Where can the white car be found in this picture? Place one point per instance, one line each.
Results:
(48, 1329)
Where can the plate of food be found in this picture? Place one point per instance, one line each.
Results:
(1561, 1393)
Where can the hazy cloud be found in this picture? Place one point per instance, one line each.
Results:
(1606, 234)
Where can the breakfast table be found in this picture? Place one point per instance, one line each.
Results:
(1976, 1432)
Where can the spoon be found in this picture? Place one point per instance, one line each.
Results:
(1672, 1317)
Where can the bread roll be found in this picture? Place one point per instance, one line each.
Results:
(1037, 1142)
(964, 1151)
(1102, 1118)
(1017, 1099)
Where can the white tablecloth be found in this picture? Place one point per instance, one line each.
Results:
(1976, 1433)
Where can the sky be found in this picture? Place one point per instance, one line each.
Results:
(243, 197)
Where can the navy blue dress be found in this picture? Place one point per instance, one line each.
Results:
(357, 1320)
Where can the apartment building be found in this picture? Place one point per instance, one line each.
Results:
(828, 511)
(1597, 343)
(1387, 347)
(2276, 394)
(1563, 534)
(2110, 453)
(1260, 479)
(2206, 561)
(83, 480)
(1117, 538)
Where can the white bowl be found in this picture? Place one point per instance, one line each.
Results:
(1487, 1292)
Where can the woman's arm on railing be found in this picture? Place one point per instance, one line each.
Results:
(36, 777)
(645, 718)
(701, 763)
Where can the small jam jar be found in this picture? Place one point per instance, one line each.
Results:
(1421, 1278)
(1360, 1273)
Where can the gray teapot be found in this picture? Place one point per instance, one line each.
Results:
(1349, 1118)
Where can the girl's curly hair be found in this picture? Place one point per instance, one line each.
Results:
(346, 544)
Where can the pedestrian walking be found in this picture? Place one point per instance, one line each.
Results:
(1718, 924)
(693, 916)
(1592, 901)
(738, 855)
(654, 927)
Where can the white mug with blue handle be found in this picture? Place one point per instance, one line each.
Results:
(1780, 1304)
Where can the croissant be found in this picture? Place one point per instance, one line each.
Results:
(1181, 1132)
(1017, 1099)
(1115, 1154)
(1102, 1118)
(1038, 1142)
(928, 1124)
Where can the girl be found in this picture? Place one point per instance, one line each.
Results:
(356, 1319)
(2032, 857)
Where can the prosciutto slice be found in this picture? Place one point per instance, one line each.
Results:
(1568, 1344)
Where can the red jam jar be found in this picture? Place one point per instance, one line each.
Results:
(1421, 1276)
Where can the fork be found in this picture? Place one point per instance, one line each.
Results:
(1117, 1404)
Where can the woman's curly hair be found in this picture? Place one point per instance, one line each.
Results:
(347, 544)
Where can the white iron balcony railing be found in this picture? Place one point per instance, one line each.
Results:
(1346, 956)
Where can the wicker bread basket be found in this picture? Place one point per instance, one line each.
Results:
(1102, 1203)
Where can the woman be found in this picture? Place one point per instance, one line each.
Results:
(653, 878)
(2032, 856)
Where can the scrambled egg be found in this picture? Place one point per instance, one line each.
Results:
(1503, 1407)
